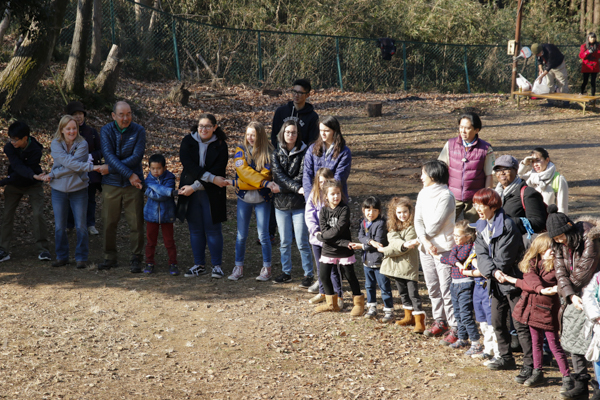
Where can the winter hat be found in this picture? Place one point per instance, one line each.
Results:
(75, 106)
(536, 48)
(557, 222)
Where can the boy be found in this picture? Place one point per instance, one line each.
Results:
(24, 178)
(159, 211)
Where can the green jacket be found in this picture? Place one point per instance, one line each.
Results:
(398, 262)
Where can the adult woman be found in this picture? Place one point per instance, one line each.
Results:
(288, 166)
(69, 181)
(434, 225)
(540, 173)
(589, 54)
(499, 248)
(470, 161)
(576, 252)
(203, 199)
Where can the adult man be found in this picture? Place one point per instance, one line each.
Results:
(300, 111)
(551, 62)
(123, 146)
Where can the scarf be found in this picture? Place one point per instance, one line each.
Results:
(505, 191)
(542, 182)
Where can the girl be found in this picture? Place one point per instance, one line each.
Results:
(202, 192)
(539, 305)
(69, 181)
(589, 54)
(545, 179)
(334, 220)
(288, 166)
(401, 261)
(314, 204)
(254, 188)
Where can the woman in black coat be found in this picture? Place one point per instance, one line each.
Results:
(202, 194)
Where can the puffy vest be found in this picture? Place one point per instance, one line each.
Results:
(466, 168)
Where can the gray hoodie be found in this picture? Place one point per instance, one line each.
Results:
(69, 172)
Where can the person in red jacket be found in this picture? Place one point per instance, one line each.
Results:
(589, 54)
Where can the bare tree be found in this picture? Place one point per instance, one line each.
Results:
(4, 24)
(73, 80)
(582, 16)
(96, 56)
(106, 81)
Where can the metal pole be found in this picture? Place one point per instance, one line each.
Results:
(513, 81)
(467, 72)
(339, 67)
(112, 21)
(175, 50)
(260, 68)
(404, 61)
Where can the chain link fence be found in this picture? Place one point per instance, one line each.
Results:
(157, 45)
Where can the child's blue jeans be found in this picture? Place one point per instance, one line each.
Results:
(462, 302)
(373, 278)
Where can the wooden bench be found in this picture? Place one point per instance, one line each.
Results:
(581, 99)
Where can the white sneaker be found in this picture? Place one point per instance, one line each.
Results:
(217, 272)
(488, 362)
(265, 274)
(319, 298)
(93, 231)
(314, 287)
(238, 273)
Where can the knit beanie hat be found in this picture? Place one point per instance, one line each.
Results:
(535, 49)
(557, 222)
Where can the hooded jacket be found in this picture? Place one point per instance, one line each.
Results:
(160, 206)
(306, 118)
(288, 168)
(23, 164)
(70, 169)
(400, 262)
(589, 59)
(335, 231)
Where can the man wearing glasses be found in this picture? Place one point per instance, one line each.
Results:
(300, 111)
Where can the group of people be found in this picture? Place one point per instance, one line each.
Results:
(499, 256)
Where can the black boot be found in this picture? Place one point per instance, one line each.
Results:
(580, 391)
(596, 395)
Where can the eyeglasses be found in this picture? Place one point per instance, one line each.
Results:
(502, 171)
(291, 133)
(14, 140)
(205, 127)
(297, 93)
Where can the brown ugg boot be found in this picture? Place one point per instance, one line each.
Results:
(408, 318)
(359, 306)
(331, 304)
(419, 323)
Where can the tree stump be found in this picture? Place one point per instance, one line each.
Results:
(179, 94)
(271, 92)
(106, 81)
(374, 109)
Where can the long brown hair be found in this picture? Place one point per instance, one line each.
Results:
(261, 151)
(338, 140)
(538, 247)
(393, 223)
(317, 194)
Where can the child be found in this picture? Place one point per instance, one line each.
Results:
(462, 288)
(401, 261)
(539, 305)
(159, 212)
(311, 216)
(254, 188)
(372, 234)
(334, 221)
(24, 178)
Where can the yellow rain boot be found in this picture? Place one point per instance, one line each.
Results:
(419, 323)
(331, 304)
(359, 306)
(408, 318)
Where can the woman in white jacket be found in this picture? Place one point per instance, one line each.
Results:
(434, 224)
(540, 173)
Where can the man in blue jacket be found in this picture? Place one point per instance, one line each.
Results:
(123, 147)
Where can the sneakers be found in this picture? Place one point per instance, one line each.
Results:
(387, 317)
(524, 375)
(283, 278)
(476, 348)
(438, 328)
(486, 363)
(459, 344)
(238, 273)
(107, 264)
(450, 338)
(4, 256)
(93, 231)
(59, 263)
(218, 273)
(196, 270)
(314, 288)
(371, 313)
(173, 270)
(482, 356)
(306, 282)
(536, 378)
(319, 298)
(265, 274)
(135, 266)
(81, 264)
(45, 256)
(503, 364)
(149, 268)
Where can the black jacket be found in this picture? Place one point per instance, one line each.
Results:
(217, 157)
(335, 231)
(307, 120)
(287, 171)
(371, 257)
(92, 138)
(551, 57)
(23, 163)
(535, 209)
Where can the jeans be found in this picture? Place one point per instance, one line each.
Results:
(203, 231)
(409, 294)
(152, 229)
(91, 207)
(244, 212)
(438, 280)
(502, 306)
(336, 274)
(537, 340)
(462, 301)
(291, 222)
(373, 278)
(61, 203)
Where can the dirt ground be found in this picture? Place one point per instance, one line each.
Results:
(88, 334)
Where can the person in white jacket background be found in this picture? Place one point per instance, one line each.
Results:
(540, 173)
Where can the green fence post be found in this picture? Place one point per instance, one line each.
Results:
(175, 51)
(467, 72)
(339, 67)
(260, 68)
(404, 62)
(112, 21)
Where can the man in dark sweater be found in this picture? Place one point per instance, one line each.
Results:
(300, 111)
(24, 178)
(551, 62)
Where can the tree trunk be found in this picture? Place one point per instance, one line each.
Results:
(22, 74)
(141, 16)
(596, 13)
(590, 13)
(4, 24)
(96, 57)
(73, 81)
(149, 43)
(106, 82)
(582, 16)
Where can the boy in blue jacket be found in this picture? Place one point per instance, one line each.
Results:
(159, 212)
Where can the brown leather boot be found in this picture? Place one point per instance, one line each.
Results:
(408, 318)
(359, 306)
(419, 323)
(331, 304)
